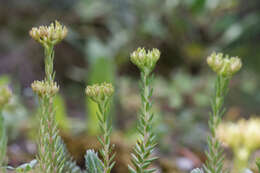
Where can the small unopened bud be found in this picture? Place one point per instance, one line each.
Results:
(215, 61)
(100, 92)
(5, 95)
(224, 66)
(235, 64)
(145, 60)
(47, 35)
(44, 88)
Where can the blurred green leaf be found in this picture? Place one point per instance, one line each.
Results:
(198, 5)
(102, 70)
(60, 112)
(93, 163)
(4, 80)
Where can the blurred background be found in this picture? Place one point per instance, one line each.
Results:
(102, 34)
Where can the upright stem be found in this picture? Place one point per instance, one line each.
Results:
(52, 152)
(50, 147)
(3, 143)
(47, 153)
(142, 157)
(215, 156)
(105, 142)
(49, 58)
(146, 107)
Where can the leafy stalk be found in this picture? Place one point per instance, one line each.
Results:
(51, 154)
(101, 94)
(143, 148)
(225, 67)
(48, 61)
(106, 129)
(141, 158)
(215, 155)
(50, 151)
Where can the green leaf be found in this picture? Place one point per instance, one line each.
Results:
(197, 170)
(26, 166)
(93, 163)
(60, 112)
(102, 69)
(4, 80)
(131, 170)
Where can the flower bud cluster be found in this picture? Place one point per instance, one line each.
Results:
(243, 134)
(145, 60)
(44, 88)
(100, 92)
(47, 35)
(224, 66)
(5, 95)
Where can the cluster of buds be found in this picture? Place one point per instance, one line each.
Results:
(100, 92)
(45, 88)
(5, 95)
(224, 66)
(49, 35)
(145, 60)
(243, 134)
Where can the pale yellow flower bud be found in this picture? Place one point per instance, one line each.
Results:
(47, 35)
(5, 95)
(235, 64)
(100, 92)
(145, 60)
(229, 134)
(224, 66)
(243, 134)
(215, 61)
(252, 136)
(44, 88)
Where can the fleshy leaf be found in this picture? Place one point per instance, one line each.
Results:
(93, 163)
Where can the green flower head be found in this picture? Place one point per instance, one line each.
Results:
(145, 60)
(100, 92)
(224, 66)
(44, 88)
(5, 95)
(49, 35)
